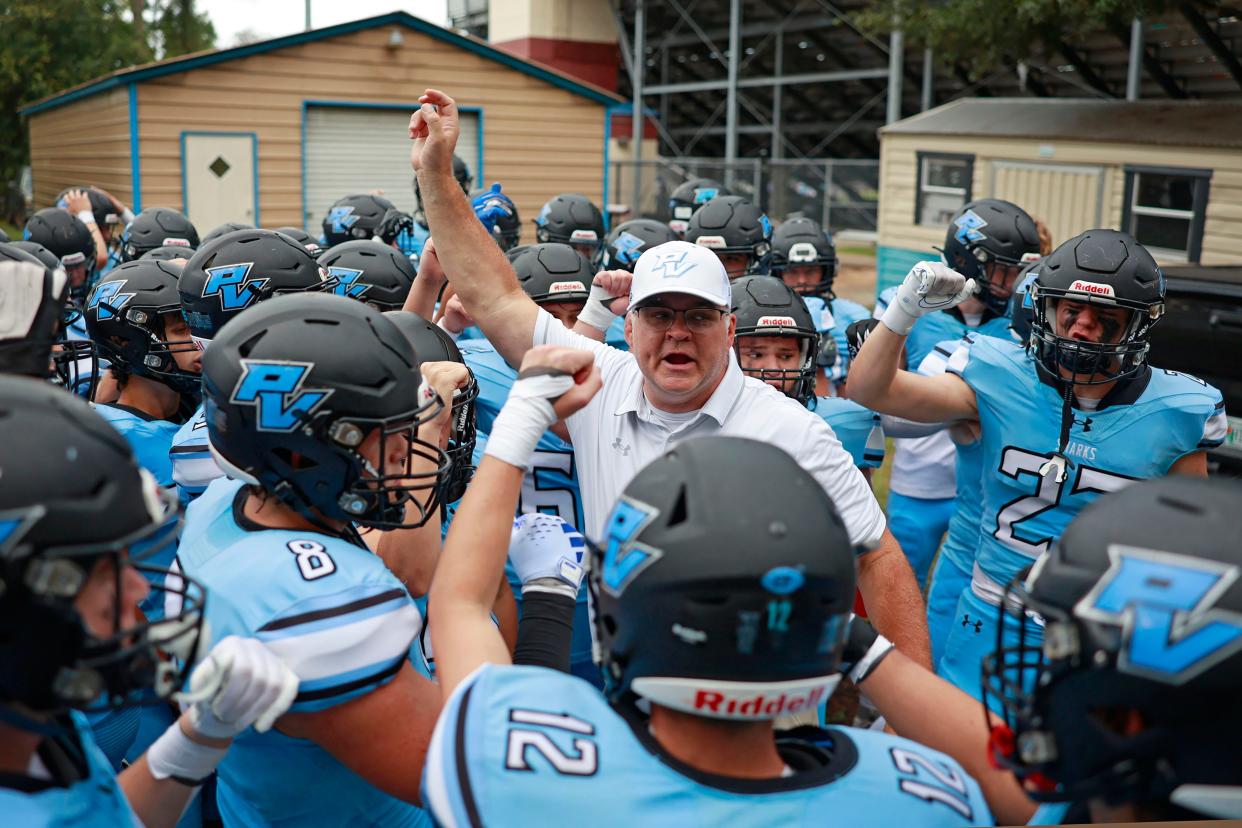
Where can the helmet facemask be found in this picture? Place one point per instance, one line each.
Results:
(1121, 351)
(798, 383)
(461, 442)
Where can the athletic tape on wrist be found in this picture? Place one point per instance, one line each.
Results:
(177, 756)
(86, 216)
(526, 415)
(552, 586)
(596, 312)
(867, 664)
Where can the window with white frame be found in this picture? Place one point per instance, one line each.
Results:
(1164, 209)
(943, 187)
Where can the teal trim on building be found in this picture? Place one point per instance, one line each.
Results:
(135, 160)
(893, 263)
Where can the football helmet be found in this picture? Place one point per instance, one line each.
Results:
(166, 253)
(553, 272)
(432, 344)
(295, 391)
(499, 215)
(987, 234)
(630, 240)
(370, 272)
(237, 270)
(125, 316)
(766, 306)
(81, 500)
(1132, 694)
(106, 216)
(1103, 269)
(45, 256)
(688, 197)
(157, 227)
(303, 238)
(355, 217)
(571, 219)
(702, 607)
(802, 242)
(1021, 309)
(731, 224)
(70, 241)
(227, 227)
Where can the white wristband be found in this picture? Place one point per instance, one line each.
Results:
(554, 586)
(86, 217)
(178, 756)
(897, 320)
(875, 654)
(596, 311)
(526, 415)
(127, 215)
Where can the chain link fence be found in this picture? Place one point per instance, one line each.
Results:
(841, 194)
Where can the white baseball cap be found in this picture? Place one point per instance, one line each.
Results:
(680, 267)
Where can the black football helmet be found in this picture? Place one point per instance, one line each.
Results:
(731, 224)
(1132, 696)
(1021, 308)
(239, 269)
(553, 272)
(45, 256)
(106, 216)
(70, 240)
(432, 344)
(293, 390)
(498, 214)
(357, 216)
(985, 234)
(571, 219)
(80, 500)
(1104, 269)
(303, 238)
(802, 242)
(227, 227)
(688, 197)
(125, 318)
(630, 240)
(766, 306)
(157, 227)
(713, 610)
(370, 272)
(464, 179)
(167, 253)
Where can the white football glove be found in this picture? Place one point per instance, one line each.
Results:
(240, 684)
(928, 287)
(548, 554)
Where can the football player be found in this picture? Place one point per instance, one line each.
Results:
(777, 342)
(1078, 414)
(71, 636)
(34, 295)
(713, 622)
(220, 281)
(369, 271)
(574, 220)
(737, 231)
(689, 196)
(220, 230)
(988, 240)
(157, 227)
(805, 258)
(318, 412)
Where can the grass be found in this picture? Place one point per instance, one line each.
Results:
(857, 249)
(11, 230)
(879, 477)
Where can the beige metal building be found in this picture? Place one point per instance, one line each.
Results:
(272, 133)
(1169, 172)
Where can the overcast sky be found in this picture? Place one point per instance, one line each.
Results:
(272, 18)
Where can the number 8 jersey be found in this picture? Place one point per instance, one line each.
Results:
(1139, 430)
(520, 746)
(337, 617)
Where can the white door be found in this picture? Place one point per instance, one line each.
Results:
(362, 149)
(219, 179)
(1068, 198)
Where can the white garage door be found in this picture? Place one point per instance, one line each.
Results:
(1068, 198)
(360, 149)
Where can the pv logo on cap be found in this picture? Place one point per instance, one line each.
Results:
(672, 265)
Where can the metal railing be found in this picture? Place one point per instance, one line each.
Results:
(842, 194)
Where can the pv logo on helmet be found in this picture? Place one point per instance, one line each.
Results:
(274, 388)
(233, 284)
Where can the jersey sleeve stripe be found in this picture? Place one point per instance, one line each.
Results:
(375, 677)
(338, 652)
(461, 760)
(356, 606)
(189, 449)
(441, 786)
(1215, 429)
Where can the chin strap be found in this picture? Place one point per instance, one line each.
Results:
(1056, 463)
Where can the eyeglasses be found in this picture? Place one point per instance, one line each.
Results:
(698, 320)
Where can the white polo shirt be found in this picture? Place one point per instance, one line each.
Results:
(617, 434)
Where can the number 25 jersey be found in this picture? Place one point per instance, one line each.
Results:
(527, 746)
(1143, 427)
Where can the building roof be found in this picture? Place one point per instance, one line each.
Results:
(1165, 122)
(184, 63)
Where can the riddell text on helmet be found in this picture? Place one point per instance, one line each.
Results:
(711, 701)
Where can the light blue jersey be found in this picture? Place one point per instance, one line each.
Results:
(856, 427)
(337, 617)
(1141, 429)
(94, 800)
(833, 318)
(193, 467)
(551, 484)
(521, 746)
(937, 327)
(615, 335)
(81, 377)
(148, 437)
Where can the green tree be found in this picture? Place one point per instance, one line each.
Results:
(981, 36)
(52, 45)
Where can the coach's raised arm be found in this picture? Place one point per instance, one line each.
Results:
(679, 381)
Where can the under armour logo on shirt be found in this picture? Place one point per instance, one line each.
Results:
(966, 622)
(624, 449)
